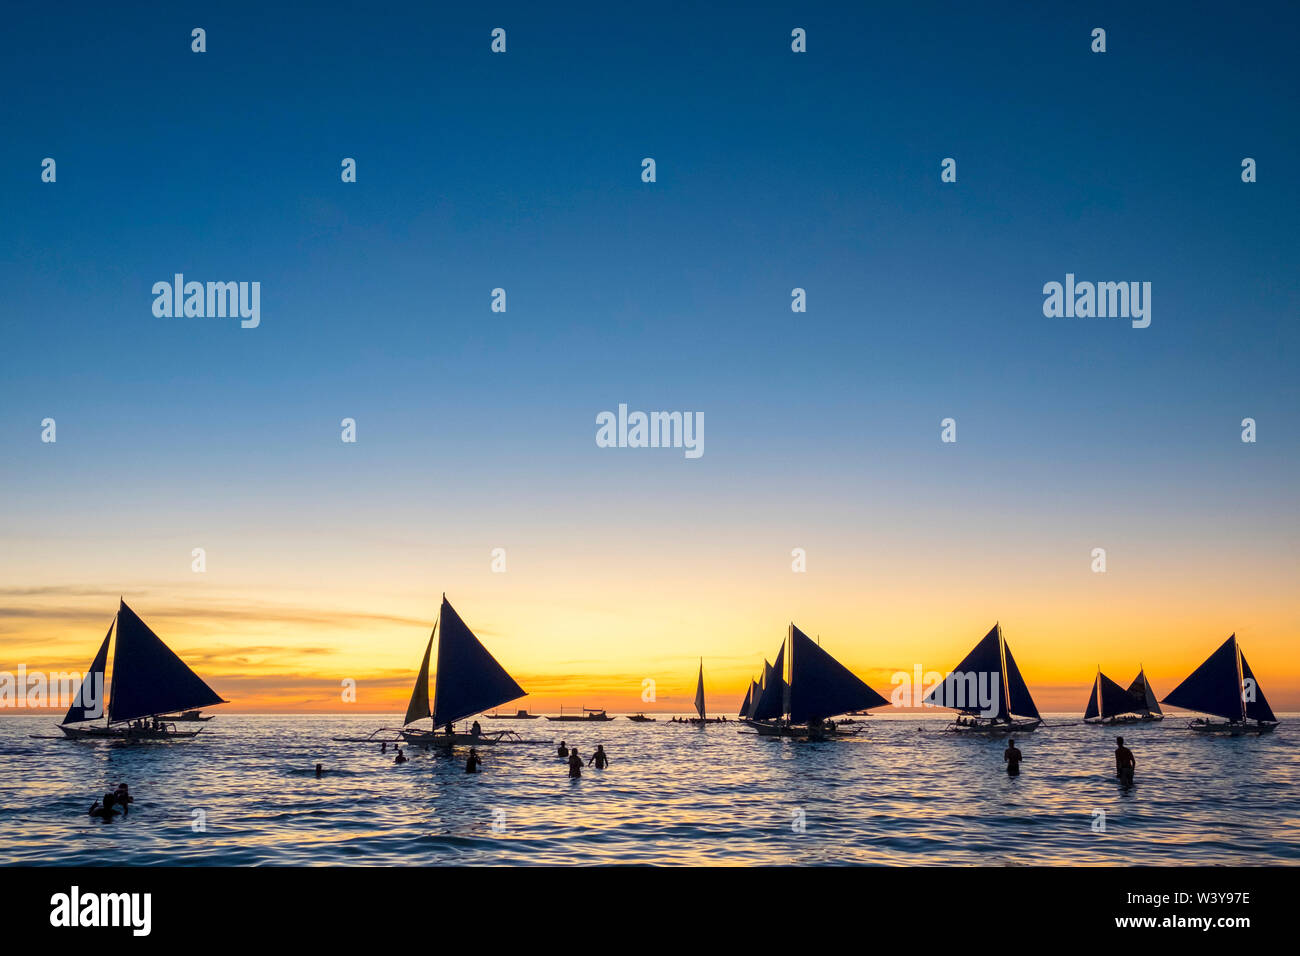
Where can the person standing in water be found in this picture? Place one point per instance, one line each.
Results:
(472, 761)
(319, 770)
(1124, 762)
(563, 751)
(575, 763)
(401, 757)
(599, 758)
(1012, 756)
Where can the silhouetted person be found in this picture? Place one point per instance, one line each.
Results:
(401, 757)
(1012, 756)
(599, 758)
(575, 763)
(450, 731)
(1124, 762)
(475, 729)
(319, 771)
(472, 761)
(563, 751)
(105, 809)
(383, 746)
(122, 797)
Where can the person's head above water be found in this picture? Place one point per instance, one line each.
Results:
(1120, 741)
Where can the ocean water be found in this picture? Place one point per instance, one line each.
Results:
(897, 794)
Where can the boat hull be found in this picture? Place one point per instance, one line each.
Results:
(581, 720)
(421, 738)
(1123, 721)
(1230, 729)
(798, 731)
(125, 733)
(995, 728)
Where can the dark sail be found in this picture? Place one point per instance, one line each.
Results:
(1022, 703)
(469, 678)
(981, 669)
(756, 692)
(699, 692)
(744, 706)
(92, 685)
(820, 686)
(418, 708)
(148, 678)
(1141, 692)
(1214, 687)
(772, 699)
(1093, 710)
(1115, 700)
(1258, 708)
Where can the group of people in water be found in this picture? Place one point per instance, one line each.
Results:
(1125, 762)
(599, 758)
(118, 801)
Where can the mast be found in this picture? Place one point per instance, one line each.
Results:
(1006, 684)
(1241, 680)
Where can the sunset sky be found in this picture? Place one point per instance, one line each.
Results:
(476, 429)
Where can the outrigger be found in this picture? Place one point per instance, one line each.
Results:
(989, 672)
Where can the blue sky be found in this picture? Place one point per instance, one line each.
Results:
(775, 170)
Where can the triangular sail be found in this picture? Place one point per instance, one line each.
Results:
(979, 671)
(988, 671)
(469, 679)
(1094, 697)
(820, 686)
(148, 678)
(699, 692)
(744, 706)
(1020, 701)
(773, 697)
(1141, 692)
(755, 694)
(1214, 687)
(418, 708)
(92, 686)
(1258, 708)
(1108, 699)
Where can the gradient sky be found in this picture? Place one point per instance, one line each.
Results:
(476, 429)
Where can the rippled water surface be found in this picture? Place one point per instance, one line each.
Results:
(672, 794)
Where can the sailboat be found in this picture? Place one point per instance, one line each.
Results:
(1224, 686)
(148, 682)
(804, 689)
(986, 687)
(1110, 704)
(703, 718)
(468, 681)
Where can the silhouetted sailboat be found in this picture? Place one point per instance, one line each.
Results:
(1110, 704)
(148, 682)
(468, 681)
(702, 717)
(1224, 686)
(986, 687)
(1141, 690)
(804, 689)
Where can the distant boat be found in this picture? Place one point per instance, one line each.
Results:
(517, 715)
(149, 681)
(703, 718)
(1224, 686)
(587, 714)
(189, 716)
(468, 681)
(1109, 704)
(990, 669)
(641, 719)
(818, 687)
